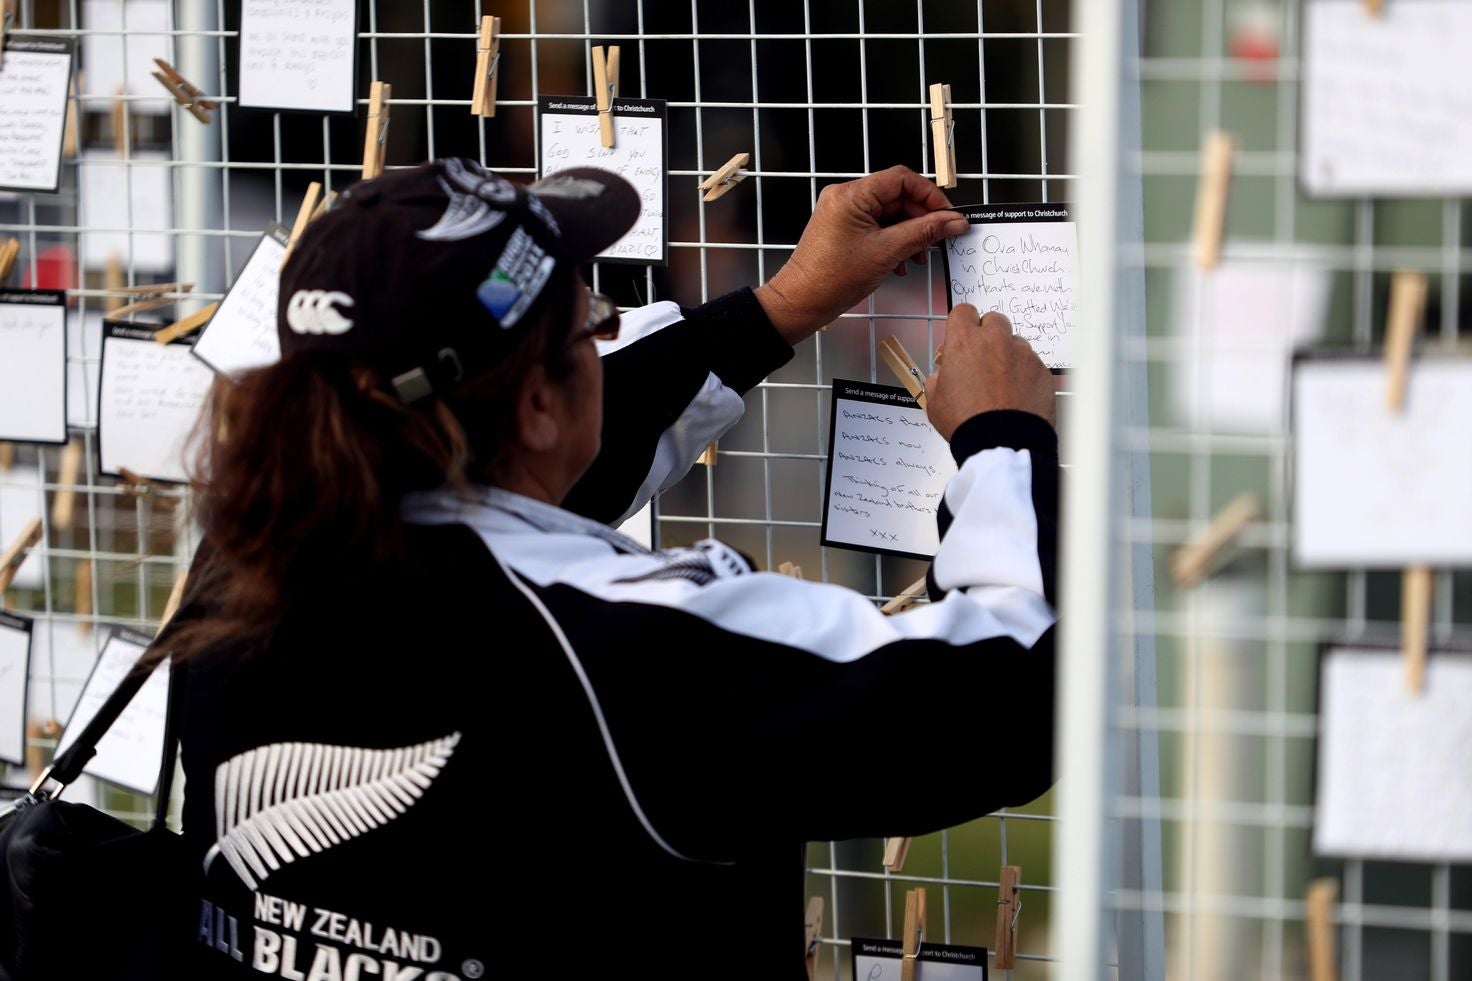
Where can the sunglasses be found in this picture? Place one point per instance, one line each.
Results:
(602, 323)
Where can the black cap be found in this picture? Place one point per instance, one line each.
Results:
(435, 273)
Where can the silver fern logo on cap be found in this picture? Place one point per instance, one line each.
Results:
(284, 801)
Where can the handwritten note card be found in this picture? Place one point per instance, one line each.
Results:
(1373, 488)
(152, 396)
(1393, 778)
(1385, 99)
(570, 139)
(1020, 260)
(15, 669)
(123, 37)
(33, 90)
(887, 470)
(33, 366)
(126, 208)
(297, 55)
(129, 754)
(21, 501)
(242, 333)
(880, 960)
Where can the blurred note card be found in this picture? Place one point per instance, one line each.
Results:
(1385, 99)
(1020, 260)
(33, 366)
(1374, 488)
(569, 127)
(15, 671)
(298, 56)
(887, 470)
(1393, 778)
(242, 333)
(33, 87)
(129, 753)
(128, 211)
(151, 397)
(880, 960)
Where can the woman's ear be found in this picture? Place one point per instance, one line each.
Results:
(537, 415)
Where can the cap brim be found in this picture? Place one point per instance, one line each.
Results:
(594, 208)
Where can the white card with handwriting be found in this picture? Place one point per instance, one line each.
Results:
(242, 333)
(1020, 260)
(33, 366)
(569, 131)
(881, 960)
(298, 56)
(1385, 99)
(152, 395)
(887, 471)
(1393, 777)
(1374, 488)
(33, 87)
(15, 661)
(128, 754)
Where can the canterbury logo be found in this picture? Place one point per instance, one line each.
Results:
(277, 803)
(312, 312)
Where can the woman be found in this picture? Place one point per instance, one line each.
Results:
(435, 707)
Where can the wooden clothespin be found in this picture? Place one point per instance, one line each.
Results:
(375, 139)
(914, 931)
(605, 90)
(150, 296)
(1193, 560)
(725, 178)
(905, 599)
(194, 321)
(7, 21)
(1211, 198)
(71, 130)
(122, 136)
(63, 505)
(812, 934)
(15, 553)
(185, 92)
(487, 60)
(904, 367)
(8, 252)
(1416, 585)
(112, 282)
(709, 456)
(304, 216)
(1402, 323)
(324, 206)
(1318, 928)
(82, 596)
(895, 851)
(788, 569)
(176, 596)
(7, 456)
(1009, 908)
(1374, 7)
(943, 135)
(135, 484)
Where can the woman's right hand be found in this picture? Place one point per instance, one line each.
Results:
(986, 367)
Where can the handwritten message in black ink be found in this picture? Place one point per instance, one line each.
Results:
(887, 470)
(297, 55)
(1020, 260)
(151, 397)
(33, 87)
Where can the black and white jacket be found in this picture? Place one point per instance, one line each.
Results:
(536, 745)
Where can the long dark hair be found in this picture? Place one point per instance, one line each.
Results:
(302, 466)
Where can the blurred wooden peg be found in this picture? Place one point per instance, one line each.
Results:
(1318, 927)
(487, 60)
(63, 505)
(8, 252)
(904, 367)
(725, 178)
(176, 596)
(1374, 7)
(323, 206)
(708, 457)
(1402, 323)
(788, 569)
(914, 934)
(150, 296)
(1009, 908)
(15, 553)
(7, 456)
(71, 129)
(1191, 562)
(605, 90)
(1415, 623)
(179, 328)
(812, 934)
(135, 484)
(82, 596)
(375, 137)
(304, 216)
(943, 135)
(185, 92)
(895, 850)
(1211, 198)
(905, 599)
